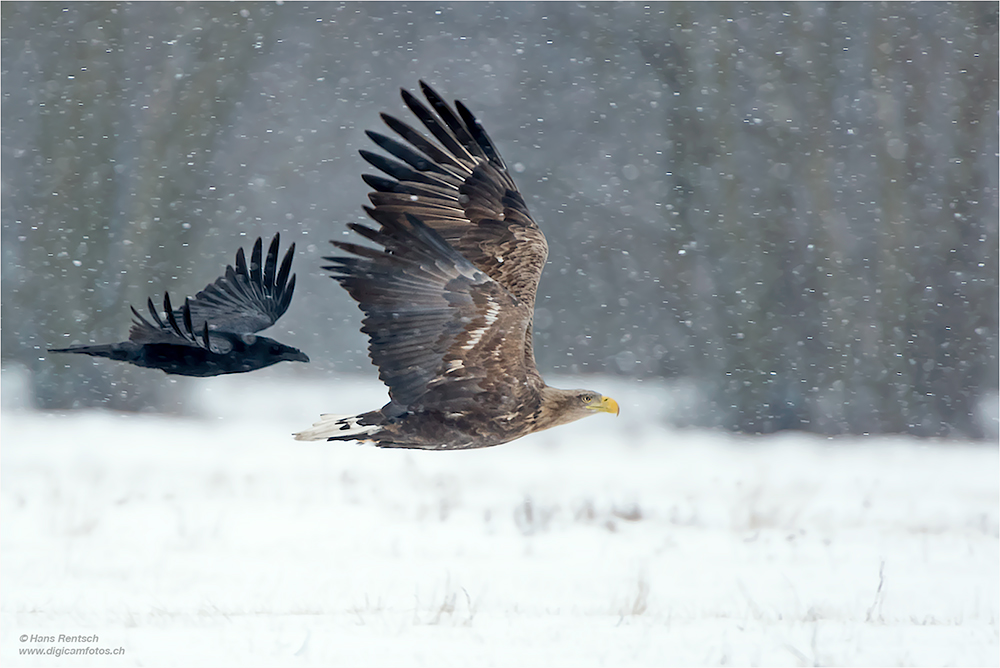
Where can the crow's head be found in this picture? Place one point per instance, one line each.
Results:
(263, 351)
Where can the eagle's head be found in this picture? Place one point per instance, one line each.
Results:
(564, 406)
(594, 402)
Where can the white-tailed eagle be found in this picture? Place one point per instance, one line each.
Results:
(448, 294)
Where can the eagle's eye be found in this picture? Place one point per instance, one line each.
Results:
(587, 398)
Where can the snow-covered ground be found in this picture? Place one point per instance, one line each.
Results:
(219, 540)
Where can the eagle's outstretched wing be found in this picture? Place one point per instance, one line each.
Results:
(460, 187)
(440, 329)
(247, 298)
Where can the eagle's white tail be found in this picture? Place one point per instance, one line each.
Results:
(337, 427)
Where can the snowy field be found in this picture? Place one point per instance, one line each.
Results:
(219, 541)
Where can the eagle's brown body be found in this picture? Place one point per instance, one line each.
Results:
(449, 296)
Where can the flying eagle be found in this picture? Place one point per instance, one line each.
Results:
(214, 333)
(449, 295)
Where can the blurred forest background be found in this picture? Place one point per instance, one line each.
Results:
(791, 206)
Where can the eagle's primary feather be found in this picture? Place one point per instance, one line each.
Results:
(448, 293)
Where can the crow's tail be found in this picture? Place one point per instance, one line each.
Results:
(113, 351)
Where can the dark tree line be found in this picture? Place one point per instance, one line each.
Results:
(792, 205)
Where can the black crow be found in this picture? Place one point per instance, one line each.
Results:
(214, 333)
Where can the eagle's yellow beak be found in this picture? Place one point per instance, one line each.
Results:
(607, 405)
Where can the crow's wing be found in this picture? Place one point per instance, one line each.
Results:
(247, 298)
(175, 327)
